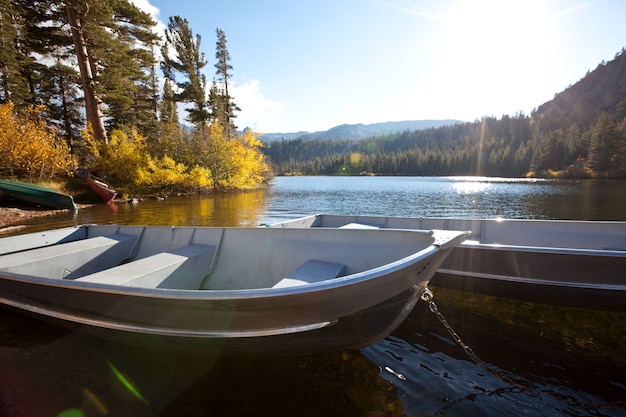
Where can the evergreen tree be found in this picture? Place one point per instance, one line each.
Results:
(604, 151)
(220, 100)
(84, 18)
(168, 112)
(62, 95)
(128, 80)
(216, 103)
(14, 59)
(172, 139)
(43, 49)
(182, 57)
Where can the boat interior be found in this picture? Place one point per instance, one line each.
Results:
(592, 235)
(190, 258)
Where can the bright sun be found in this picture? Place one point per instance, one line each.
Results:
(497, 23)
(501, 43)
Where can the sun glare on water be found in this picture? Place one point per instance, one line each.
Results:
(466, 188)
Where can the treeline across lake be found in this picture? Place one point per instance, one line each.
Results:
(509, 147)
(579, 134)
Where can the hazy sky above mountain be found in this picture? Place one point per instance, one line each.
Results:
(311, 65)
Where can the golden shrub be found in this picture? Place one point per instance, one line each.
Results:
(28, 148)
(220, 161)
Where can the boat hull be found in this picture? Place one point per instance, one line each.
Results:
(568, 263)
(104, 190)
(589, 280)
(35, 194)
(347, 312)
(353, 331)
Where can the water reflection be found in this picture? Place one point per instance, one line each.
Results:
(236, 209)
(229, 209)
(475, 197)
(290, 197)
(471, 187)
(97, 377)
(546, 360)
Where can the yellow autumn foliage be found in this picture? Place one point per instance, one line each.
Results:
(126, 158)
(165, 172)
(247, 163)
(217, 161)
(198, 177)
(235, 162)
(28, 148)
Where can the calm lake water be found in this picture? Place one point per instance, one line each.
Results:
(541, 360)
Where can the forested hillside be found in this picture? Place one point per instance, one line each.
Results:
(580, 133)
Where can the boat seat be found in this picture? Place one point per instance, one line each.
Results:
(359, 226)
(312, 271)
(183, 268)
(71, 259)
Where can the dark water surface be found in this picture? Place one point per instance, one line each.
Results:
(538, 359)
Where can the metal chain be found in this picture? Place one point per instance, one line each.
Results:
(428, 296)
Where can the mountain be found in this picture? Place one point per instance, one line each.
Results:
(360, 131)
(601, 90)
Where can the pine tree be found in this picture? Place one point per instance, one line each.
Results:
(128, 80)
(80, 18)
(604, 150)
(172, 139)
(182, 57)
(62, 97)
(168, 111)
(114, 42)
(14, 59)
(221, 102)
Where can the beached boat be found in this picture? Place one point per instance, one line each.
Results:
(101, 187)
(35, 194)
(240, 291)
(559, 262)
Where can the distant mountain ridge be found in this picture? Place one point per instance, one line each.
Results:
(360, 131)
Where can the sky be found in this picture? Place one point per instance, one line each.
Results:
(310, 65)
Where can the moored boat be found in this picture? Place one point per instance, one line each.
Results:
(559, 262)
(36, 194)
(101, 187)
(237, 291)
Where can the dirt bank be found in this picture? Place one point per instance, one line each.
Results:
(11, 217)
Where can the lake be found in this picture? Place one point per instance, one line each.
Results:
(533, 359)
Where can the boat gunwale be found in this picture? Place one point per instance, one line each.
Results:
(544, 249)
(478, 219)
(230, 294)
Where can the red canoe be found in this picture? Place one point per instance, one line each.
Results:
(101, 188)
